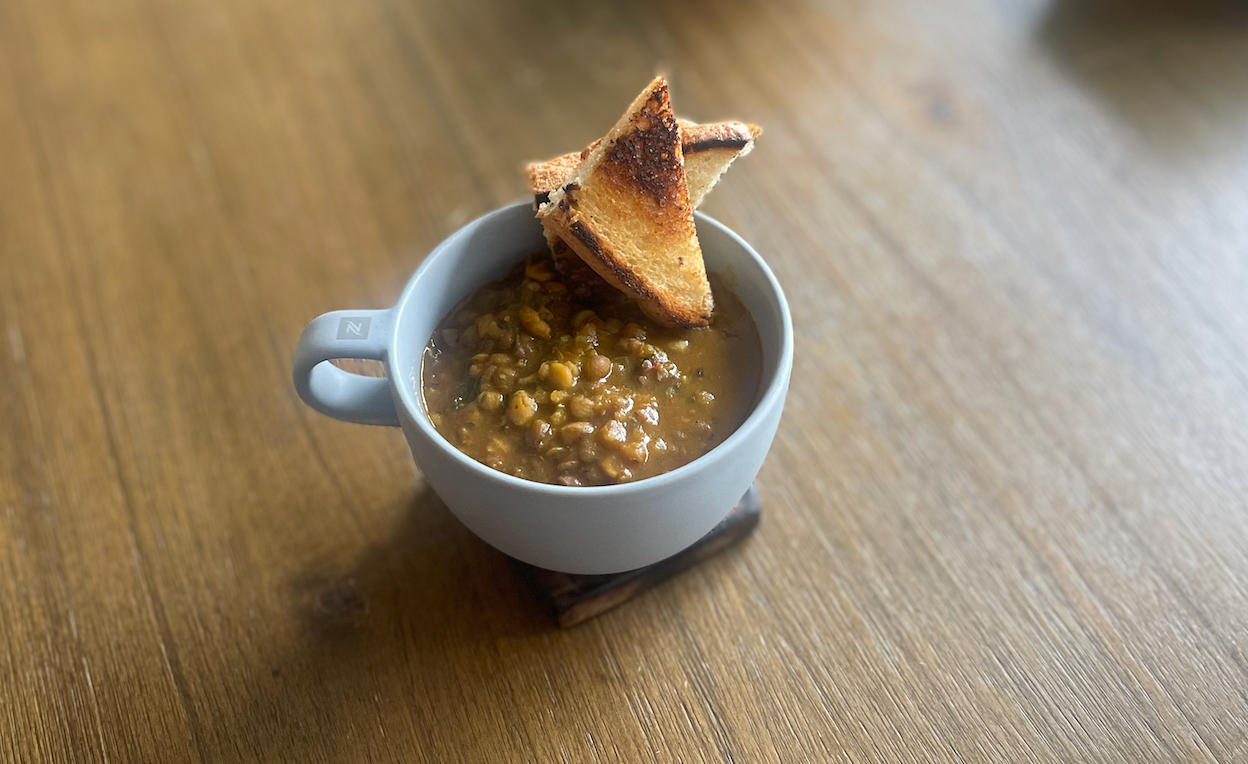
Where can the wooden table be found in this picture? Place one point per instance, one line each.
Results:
(1004, 515)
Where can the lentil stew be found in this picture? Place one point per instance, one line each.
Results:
(532, 380)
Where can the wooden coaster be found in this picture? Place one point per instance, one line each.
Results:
(574, 599)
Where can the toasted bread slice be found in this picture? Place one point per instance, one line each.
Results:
(708, 150)
(626, 212)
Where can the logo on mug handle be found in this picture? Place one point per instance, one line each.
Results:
(353, 327)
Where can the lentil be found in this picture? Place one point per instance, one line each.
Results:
(522, 408)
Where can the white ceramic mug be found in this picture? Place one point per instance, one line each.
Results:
(599, 529)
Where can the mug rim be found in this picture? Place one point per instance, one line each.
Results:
(774, 388)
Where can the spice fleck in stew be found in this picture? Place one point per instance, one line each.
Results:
(530, 380)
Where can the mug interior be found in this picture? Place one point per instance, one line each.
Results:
(486, 250)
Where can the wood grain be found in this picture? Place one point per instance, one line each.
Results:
(1006, 514)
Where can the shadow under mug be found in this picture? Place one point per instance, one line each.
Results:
(588, 530)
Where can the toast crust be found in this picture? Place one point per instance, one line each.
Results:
(736, 136)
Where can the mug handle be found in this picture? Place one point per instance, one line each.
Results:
(337, 393)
